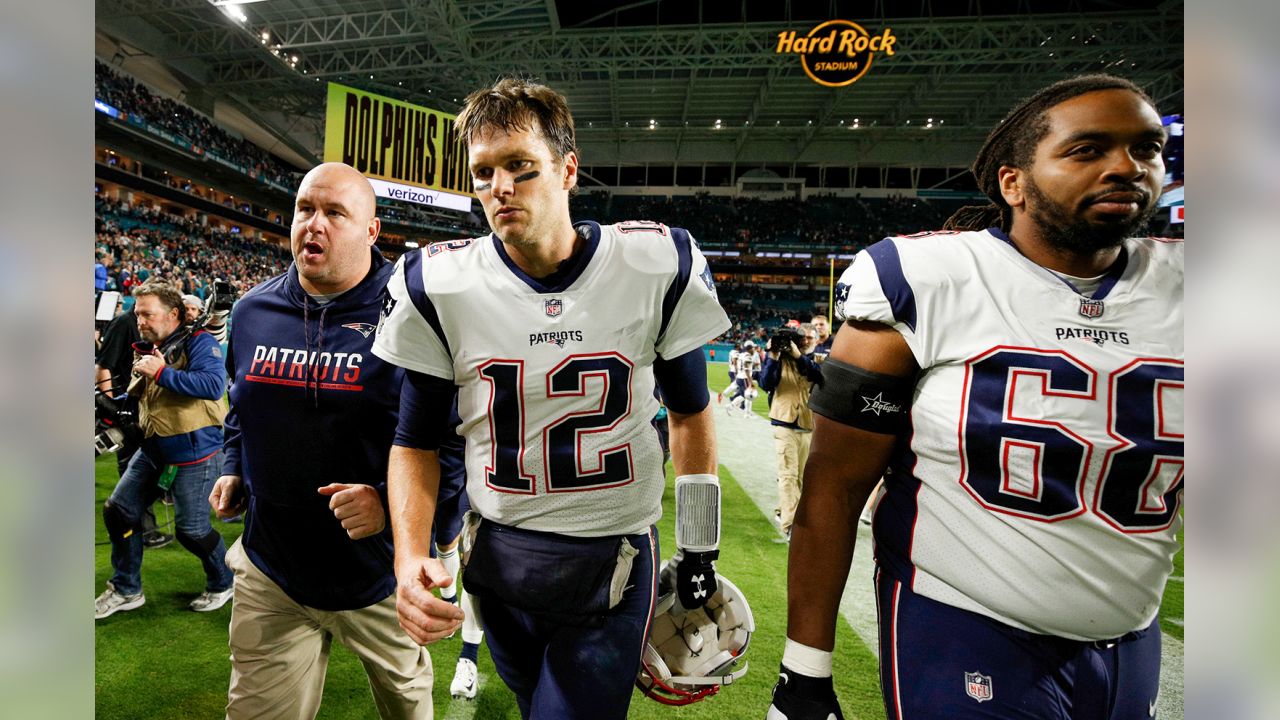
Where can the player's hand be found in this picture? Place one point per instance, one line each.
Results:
(227, 497)
(425, 617)
(357, 507)
(800, 697)
(693, 574)
(149, 365)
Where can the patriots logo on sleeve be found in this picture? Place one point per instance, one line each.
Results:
(707, 279)
(387, 307)
(842, 294)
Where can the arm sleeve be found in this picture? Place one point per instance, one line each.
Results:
(770, 374)
(231, 425)
(691, 312)
(683, 382)
(426, 404)
(204, 377)
(409, 333)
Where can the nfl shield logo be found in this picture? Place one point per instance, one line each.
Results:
(553, 307)
(978, 686)
(1090, 308)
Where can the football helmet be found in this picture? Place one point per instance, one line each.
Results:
(691, 653)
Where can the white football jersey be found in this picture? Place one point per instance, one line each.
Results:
(748, 363)
(555, 384)
(1042, 478)
(734, 355)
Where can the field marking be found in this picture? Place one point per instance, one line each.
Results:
(745, 447)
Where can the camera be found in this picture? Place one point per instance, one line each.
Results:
(223, 296)
(782, 339)
(115, 423)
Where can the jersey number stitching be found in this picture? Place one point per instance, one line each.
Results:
(564, 464)
(1030, 464)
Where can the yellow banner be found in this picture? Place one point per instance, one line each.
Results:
(395, 141)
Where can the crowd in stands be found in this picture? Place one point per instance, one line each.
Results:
(821, 226)
(751, 225)
(129, 96)
(140, 242)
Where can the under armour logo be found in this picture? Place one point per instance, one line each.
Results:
(699, 579)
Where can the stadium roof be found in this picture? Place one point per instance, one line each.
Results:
(683, 64)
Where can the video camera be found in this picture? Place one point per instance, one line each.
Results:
(782, 339)
(116, 419)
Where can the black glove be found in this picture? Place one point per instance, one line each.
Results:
(693, 575)
(800, 697)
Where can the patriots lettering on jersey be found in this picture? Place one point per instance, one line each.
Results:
(557, 338)
(1093, 335)
(289, 366)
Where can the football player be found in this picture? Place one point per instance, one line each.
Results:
(1021, 377)
(555, 392)
(744, 384)
(731, 388)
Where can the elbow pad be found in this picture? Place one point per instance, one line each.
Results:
(698, 513)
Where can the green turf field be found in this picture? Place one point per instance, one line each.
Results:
(164, 661)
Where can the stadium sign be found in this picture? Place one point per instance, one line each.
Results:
(837, 52)
(413, 148)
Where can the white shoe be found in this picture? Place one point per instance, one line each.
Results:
(111, 602)
(464, 680)
(210, 601)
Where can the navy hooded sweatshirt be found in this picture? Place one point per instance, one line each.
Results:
(312, 405)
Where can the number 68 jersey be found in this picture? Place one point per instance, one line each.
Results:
(1041, 480)
(555, 383)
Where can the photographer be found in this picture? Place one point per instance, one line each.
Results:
(180, 409)
(112, 372)
(789, 372)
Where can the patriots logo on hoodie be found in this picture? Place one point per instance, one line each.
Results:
(363, 328)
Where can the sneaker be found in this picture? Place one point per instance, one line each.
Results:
(151, 541)
(210, 601)
(111, 602)
(464, 680)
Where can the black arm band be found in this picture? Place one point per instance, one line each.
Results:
(863, 399)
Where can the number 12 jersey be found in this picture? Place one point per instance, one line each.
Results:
(555, 383)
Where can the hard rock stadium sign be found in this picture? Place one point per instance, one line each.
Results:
(837, 52)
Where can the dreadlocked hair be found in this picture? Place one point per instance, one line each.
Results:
(1013, 143)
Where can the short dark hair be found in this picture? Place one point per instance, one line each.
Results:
(1013, 143)
(518, 104)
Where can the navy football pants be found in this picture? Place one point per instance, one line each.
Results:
(938, 661)
(565, 672)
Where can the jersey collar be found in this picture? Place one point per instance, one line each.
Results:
(561, 279)
(1109, 280)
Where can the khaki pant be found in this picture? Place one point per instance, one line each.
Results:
(793, 450)
(280, 650)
